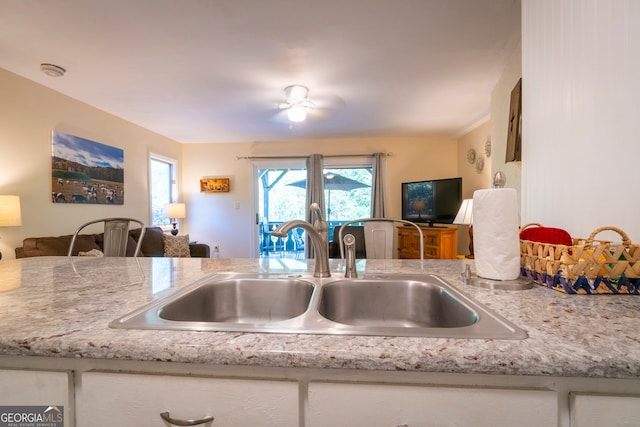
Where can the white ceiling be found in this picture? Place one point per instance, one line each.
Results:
(215, 70)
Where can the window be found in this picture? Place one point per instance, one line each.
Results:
(162, 187)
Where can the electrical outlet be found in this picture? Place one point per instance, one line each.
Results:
(216, 248)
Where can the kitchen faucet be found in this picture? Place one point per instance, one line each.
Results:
(318, 234)
(350, 269)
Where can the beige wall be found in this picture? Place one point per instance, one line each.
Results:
(473, 180)
(28, 114)
(213, 218)
(500, 103)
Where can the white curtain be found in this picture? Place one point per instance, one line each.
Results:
(377, 187)
(315, 192)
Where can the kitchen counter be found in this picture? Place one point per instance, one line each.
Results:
(60, 309)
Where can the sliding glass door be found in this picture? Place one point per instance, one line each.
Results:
(281, 196)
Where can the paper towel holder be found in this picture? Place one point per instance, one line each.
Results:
(499, 180)
(519, 284)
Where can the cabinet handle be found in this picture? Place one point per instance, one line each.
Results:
(165, 416)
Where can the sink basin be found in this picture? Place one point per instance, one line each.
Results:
(241, 301)
(388, 305)
(395, 303)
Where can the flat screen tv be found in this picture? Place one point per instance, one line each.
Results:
(433, 202)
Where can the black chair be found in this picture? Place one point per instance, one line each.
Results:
(358, 233)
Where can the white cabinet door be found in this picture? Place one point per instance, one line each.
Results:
(37, 388)
(383, 405)
(595, 410)
(113, 399)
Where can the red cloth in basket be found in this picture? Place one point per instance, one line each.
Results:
(555, 236)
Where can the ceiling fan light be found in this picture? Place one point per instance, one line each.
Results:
(297, 113)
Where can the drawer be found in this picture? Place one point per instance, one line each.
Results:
(596, 410)
(388, 405)
(116, 399)
(39, 389)
(431, 239)
(431, 252)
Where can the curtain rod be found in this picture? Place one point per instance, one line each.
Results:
(304, 157)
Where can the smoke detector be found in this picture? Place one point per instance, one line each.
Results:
(52, 70)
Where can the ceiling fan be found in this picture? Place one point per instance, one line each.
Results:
(296, 103)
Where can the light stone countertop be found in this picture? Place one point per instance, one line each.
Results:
(54, 311)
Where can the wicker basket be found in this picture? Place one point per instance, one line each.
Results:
(589, 266)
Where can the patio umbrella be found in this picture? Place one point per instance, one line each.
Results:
(333, 181)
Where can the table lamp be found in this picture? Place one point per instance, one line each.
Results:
(175, 211)
(10, 215)
(465, 217)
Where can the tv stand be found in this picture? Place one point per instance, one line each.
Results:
(431, 225)
(440, 242)
(425, 225)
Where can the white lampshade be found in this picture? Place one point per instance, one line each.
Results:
(175, 210)
(465, 213)
(10, 215)
(297, 113)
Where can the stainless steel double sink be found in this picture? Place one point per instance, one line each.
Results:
(387, 305)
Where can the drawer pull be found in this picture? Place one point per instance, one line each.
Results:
(165, 416)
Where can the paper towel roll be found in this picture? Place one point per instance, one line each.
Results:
(496, 239)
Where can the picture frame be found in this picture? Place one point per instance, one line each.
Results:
(85, 171)
(514, 135)
(214, 185)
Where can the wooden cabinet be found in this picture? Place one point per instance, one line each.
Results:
(439, 243)
(389, 405)
(138, 400)
(597, 410)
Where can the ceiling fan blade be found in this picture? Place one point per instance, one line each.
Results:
(329, 101)
(280, 117)
(320, 113)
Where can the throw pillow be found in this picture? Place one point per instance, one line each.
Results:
(176, 246)
(93, 252)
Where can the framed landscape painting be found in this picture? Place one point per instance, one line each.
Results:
(214, 185)
(85, 171)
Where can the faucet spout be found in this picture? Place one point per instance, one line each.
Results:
(320, 244)
(319, 224)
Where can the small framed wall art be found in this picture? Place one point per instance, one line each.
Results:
(214, 185)
(514, 134)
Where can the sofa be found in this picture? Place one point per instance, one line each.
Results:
(153, 245)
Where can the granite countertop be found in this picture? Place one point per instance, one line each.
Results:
(52, 307)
